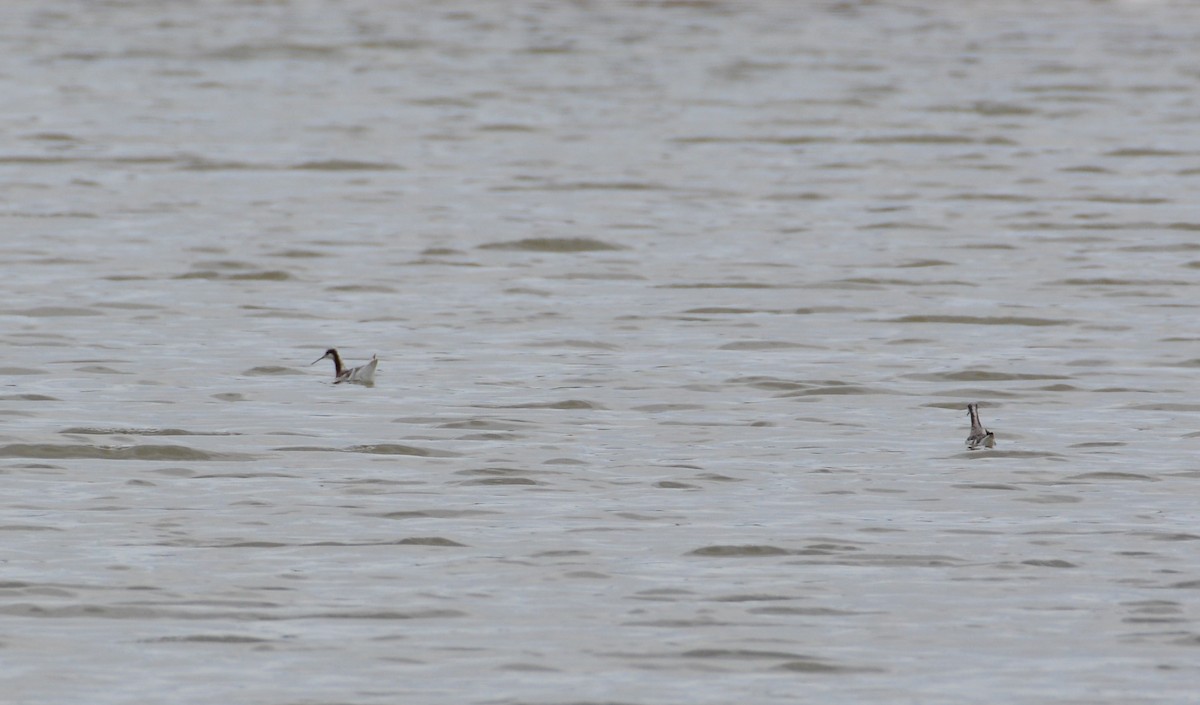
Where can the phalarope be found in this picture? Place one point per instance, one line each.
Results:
(363, 374)
(980, 436)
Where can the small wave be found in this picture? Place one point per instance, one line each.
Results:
(206, 639)
(755, 139)
(553, 244)
(274, 50)
(435, 514)
(747, 551)
(55, 311)
(813, 666)
(206, 164)
(501, 481)
(271, 370)
(925, 263)
(893, 281)
(277, 275)
(918, 139)
(507, 127)
(1051, 499)
(720, 285)
(588, 186)
(721, 310)
(839, 389)
(1112, 281)
(363, 288)
(741, 654)
(763, 345)
(994, 453)
(273, 275)
(429, 541)
(1104, 476)
(140, 452)
(1144, 152)
(659, 408)
(484, 425)
(982, 320)
(398, 449)
(979, 376)
(296, 253)
(569, 343)
(566, 404)
(1001, 197)
(777, 384)
(345, 165)
(122, 431)
(805, 611)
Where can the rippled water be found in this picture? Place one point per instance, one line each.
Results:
(678, 307)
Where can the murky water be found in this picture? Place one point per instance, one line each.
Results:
(678, 306)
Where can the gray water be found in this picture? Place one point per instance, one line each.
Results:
(678, 307)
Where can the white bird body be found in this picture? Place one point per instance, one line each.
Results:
(980, 437)
(363, 374)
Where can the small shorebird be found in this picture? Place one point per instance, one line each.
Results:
(980, 436)
(363, 374)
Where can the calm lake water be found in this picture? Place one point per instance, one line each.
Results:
(678, 307)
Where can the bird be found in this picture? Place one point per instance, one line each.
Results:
(363, 374)
(980, 436)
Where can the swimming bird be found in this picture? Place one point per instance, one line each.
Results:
(980, 436)
(363, 374)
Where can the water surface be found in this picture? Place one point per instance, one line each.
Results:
(678, 307)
